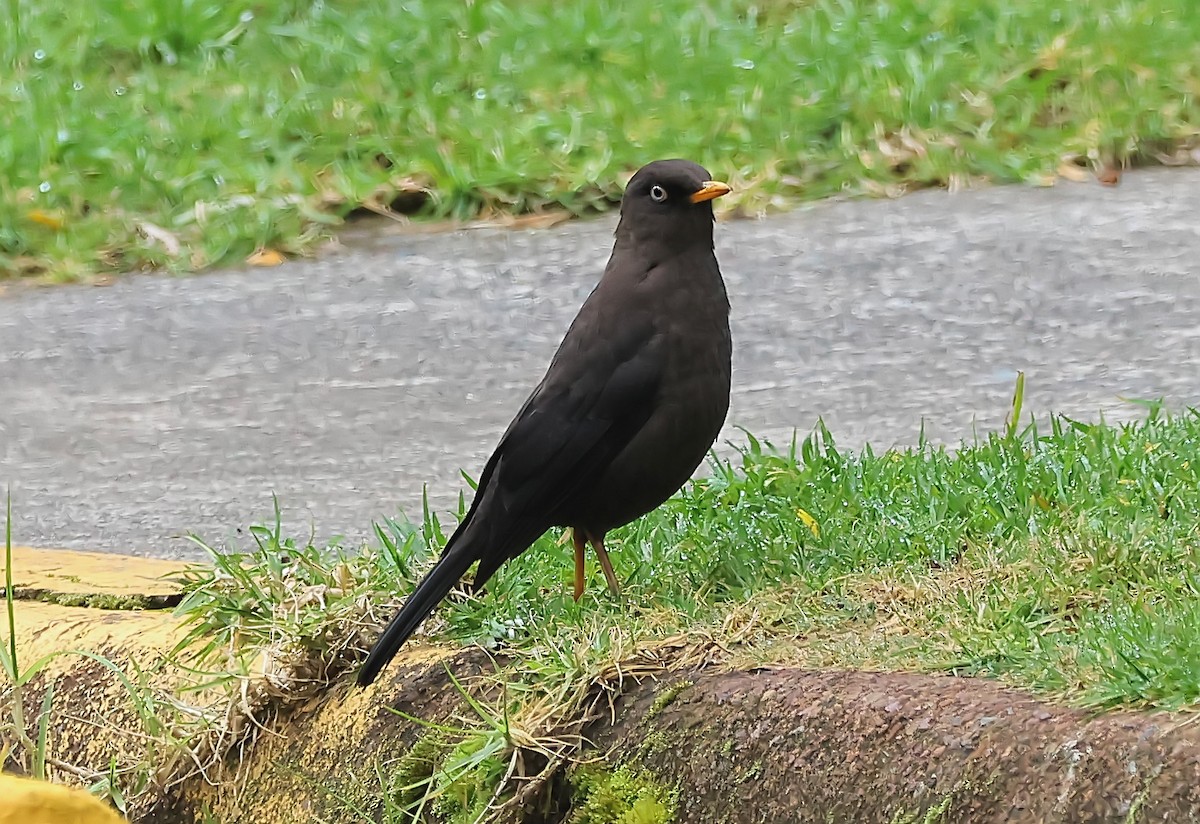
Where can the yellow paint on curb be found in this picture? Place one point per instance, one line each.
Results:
(45, 629)
(92, 573)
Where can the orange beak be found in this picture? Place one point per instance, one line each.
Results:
(710, 190)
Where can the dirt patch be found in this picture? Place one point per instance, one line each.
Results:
(324, 761)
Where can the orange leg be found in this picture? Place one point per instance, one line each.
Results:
(606, 565)
(580, 541)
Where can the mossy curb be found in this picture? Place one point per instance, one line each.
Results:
(707, 744)
(625, 795)
(94, 600)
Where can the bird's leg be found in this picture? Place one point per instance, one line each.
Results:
(606, 565)
(579, 538)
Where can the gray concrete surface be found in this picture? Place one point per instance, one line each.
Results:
(132, 414)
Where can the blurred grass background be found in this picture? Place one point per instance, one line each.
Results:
(188, 133)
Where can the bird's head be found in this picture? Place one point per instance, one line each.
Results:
(670, 201)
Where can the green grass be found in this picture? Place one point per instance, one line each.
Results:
(1063, 559)
(156, 133)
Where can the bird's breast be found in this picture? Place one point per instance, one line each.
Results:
(689, 409)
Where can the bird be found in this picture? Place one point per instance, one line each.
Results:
(632, 401)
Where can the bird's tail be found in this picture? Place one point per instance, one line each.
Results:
(432, 589)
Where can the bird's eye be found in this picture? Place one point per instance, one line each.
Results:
(658, 194)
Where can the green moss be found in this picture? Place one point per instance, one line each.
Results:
(411, 775)
(456, 779)
(751, 772)
(664, 698)
(94, 600)
(934, 815)
(467, 780)
(654, 744)
(622, 796)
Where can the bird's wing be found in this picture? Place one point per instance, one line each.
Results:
(596, 396)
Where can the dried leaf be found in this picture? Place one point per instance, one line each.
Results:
(1072, 172)
(1049, 56)
(266, 257)
(1179, 156)
(159, 235)
(51, 220)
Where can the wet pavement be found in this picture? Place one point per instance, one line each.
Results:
(133, 414)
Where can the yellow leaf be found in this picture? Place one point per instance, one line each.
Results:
(266, 257)
(51, 220)
(810, 522)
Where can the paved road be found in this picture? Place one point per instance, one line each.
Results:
(132, 414)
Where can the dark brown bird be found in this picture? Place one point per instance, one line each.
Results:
(633, 399)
